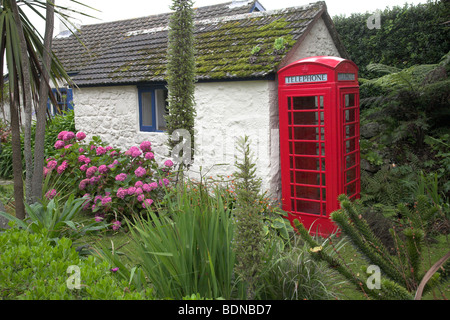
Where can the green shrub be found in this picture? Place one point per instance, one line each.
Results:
(31, 268)
(186, 248)
(57, 218)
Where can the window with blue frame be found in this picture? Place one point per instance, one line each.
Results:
(152, 108)
(64, 101)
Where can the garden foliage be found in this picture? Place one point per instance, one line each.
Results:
(408, 35)
(401, 272)
(31, 268)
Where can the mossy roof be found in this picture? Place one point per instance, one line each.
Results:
(231, 43)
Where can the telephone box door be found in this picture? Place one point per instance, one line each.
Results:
(304, 141)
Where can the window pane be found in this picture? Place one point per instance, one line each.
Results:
(304, 148)
(147, 119)
(304, 103)
(350, 100)
(307, 193)
(304, 163)
(310, 178)
(305, 118)
(161, 108)
(350, 115)
(304, 133)
(308, 207)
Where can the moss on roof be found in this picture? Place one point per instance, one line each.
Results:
(224, 47)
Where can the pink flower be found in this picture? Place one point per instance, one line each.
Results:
(168, 163)
(59, 144)
(131, 190)
(62, 167)
(98, 218)
(80, 135)
(133, 151)
(61, 135)
(139, 172)
(103, 169)
(94, 180)
(69, 135)
(121, 193)
(121, 177)
(149, 156)
(106, 200)
(81, 158)
(108, 148)
(140, 197)
(83, 167)
(81, 150)
(146, 146)
(68, 146)
(113, 270)
(91, 171)
(116, 225)
(113, 153)
(50, 194)
(52, 164)
(149, 187)
(45, 171)
(100, 151)
(83, 184)
(147, 203)
(138, 184)
(138, 191)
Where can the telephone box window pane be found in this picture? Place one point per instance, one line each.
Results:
(304, 103)
(307, 192)
(350, 145)
(350, 189)
(289, 103)
(350, 115)
(147, 119)
(350, 160)
(324, 194)
(303, 163)
(322, 133)
(308, 207)
(321, 102)
(310, 178)
(350, 131)
(305, 118)
(351, 175)
(305, 148)
(350, 100)
(304, 133)
(289, 118)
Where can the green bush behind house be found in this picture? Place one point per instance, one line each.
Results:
(408, 35)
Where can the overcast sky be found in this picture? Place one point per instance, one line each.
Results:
(111, 10)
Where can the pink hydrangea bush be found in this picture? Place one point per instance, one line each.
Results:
(113, 182)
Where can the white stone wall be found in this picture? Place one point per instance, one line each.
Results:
(317, 43)
(226, 111)
(112, 113)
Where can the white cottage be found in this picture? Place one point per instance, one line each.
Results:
(120, 93)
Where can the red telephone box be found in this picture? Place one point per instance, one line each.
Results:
(319, 138)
